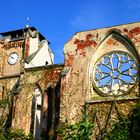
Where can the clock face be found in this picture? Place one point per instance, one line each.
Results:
(13, 58)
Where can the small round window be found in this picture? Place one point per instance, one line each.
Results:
(115, 73)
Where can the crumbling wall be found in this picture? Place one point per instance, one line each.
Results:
(43, 78)
(22, 107)
(80, 52)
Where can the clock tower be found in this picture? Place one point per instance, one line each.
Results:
(23, 48)
(24, 54)
(11, 53)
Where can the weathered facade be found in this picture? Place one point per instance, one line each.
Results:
(26, 73)
(101, 70)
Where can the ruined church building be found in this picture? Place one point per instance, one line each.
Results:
(100, 70)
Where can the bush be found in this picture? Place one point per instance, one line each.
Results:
(78, 131)
(14, 134)
(126, 129)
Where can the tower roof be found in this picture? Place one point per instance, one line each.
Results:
(20, 32)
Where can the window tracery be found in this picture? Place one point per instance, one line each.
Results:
(115, 73)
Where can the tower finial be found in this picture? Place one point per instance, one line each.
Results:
(27, 22)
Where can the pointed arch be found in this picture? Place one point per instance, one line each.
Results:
(114, 41)
(124, 39)
(35, 127)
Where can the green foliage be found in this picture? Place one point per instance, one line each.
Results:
(3, 103)
(126, 128)
(78, 131)
(14, 134)
(134, 125)
(119, 131)
(10, 134)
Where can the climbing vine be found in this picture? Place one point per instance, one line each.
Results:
(126, 128)
(10, 133)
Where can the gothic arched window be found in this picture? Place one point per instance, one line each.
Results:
(114, 66)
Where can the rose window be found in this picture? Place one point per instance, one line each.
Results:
(115, 73)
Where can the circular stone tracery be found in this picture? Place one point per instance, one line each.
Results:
(115, 73)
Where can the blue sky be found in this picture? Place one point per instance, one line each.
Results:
(59, 20)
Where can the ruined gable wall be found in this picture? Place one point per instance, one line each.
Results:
(79, 51)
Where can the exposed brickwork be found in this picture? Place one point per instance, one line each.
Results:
(53, 75)
(69, 59)
(81, 44)
(135, 31)
(133, 34)
(111, 42)
(8, 45)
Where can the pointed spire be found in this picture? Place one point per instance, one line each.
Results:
(27, 22)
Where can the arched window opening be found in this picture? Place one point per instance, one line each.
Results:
(114, 67)
(36, 113)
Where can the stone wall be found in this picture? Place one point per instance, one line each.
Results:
(82, 52)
